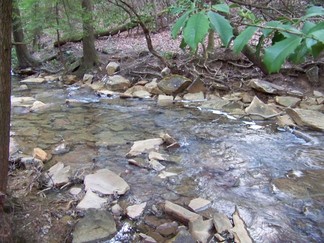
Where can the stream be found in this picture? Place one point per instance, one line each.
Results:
(275, 178)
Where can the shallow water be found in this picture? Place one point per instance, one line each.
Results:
(273, 177)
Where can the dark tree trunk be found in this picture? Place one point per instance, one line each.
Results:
(90, 58)
(5, 87)
(23, 55)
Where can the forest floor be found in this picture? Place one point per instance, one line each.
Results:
(136, 63)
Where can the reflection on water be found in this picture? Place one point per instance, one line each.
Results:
(268, 174)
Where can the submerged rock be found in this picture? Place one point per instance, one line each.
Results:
(182, 236)
(106, 182)
(96, 226)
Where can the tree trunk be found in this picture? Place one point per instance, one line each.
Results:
(5, 88)
(23, 55)
(90, 58)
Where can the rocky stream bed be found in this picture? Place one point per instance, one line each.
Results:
(112, 161)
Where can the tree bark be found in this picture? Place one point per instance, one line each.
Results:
(24, 57)
(5, 89)
(90, 58)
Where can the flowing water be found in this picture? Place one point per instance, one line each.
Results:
(273, 177)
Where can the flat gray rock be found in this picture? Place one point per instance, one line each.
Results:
(239, 230)
(106, 182)
(259, 110)
(142, 146)
(287, 101)
(180, 213)
(265, 86)
(96, 226)
(309, 118)
(221, 222)
(199, 204)
(91, 200)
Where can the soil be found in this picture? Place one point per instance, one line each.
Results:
(35, 217)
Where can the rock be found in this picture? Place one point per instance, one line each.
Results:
(165, 71)
(117, 83)
(199, 204)
(143, 146)
(91, 200)
(194, 96)
(165, 174)
(117, 210)
(142, 82)
(96, 226)
(174, 84)
(58, 175)
(183, 215)
(200, 229)
(134, 89)
(61, 149)
(183, 236)
(308, 118)
(75, 191)
(70, 79)
(22, 87)
(153, 88)
(142, 94)
(146, 239)
(165, 100)
(284, 121)
(38, 106)
(221, 222)
(13, 146)
(30, 163)
(135, 211)
(95, 85)
(313, 75)
(51, 78)
(33, 81)
(168, 140)
(287, 101)
(155, 165)
(215, 104)
(259, 110)
(239, 230)
(106, 182)
(301, 184)
(22, 101)
(112, 67)
(40, 154)
(198, 86)
(87, 78)
(157, 156)
(265, 86)
(167, 229)
(318, 93)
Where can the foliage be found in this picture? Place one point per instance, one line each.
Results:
(286, 38)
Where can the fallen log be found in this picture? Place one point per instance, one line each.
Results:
(110, 32)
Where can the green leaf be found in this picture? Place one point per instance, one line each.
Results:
(266, 32)
(275, 55)
(179, 24)
(222, 26)
(307, 26)
(222, 8)
(317, 31)
(277, 37)
(299, 54)
(196, 30)
(243, 38)
(314, 11)
(317, 49)
(183, 44)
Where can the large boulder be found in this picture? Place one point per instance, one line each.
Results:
(174, 84)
